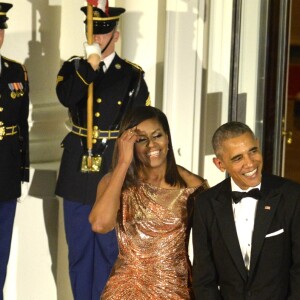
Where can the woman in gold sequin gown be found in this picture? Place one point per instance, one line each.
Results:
(145, 198)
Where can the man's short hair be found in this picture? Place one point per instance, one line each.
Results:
(227, 131)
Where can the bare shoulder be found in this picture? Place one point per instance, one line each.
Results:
(191, 179)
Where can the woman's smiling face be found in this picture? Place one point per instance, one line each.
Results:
(151, 146)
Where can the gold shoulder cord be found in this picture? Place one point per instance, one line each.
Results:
(148, 101)
(59, 79)
(25, 73)
(134, 65)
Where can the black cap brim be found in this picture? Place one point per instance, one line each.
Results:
(4, 8)
(103, 23)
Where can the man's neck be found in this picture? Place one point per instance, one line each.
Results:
(235, 187)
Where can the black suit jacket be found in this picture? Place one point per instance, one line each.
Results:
(218, 268)
(110, 90)
(14, 108)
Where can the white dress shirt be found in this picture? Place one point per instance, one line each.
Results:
(107, 61)
(244, 217)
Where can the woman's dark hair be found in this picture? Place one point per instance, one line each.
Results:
(134, 117)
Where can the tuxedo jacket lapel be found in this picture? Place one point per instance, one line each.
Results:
(224, 214)
(265, 211)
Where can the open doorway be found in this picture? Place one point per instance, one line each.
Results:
(292, 161)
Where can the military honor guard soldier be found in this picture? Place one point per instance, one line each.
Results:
(14, 144)
(118, 85)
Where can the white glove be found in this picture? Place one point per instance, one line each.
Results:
(91, 49)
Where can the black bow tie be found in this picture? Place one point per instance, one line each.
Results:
(238, 196)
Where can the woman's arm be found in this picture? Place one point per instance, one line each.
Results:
(104, 212)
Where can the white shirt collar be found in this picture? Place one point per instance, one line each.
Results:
(108, 59)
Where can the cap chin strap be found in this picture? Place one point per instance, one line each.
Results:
(113, 32)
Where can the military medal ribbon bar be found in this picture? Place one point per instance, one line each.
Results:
(17, 89)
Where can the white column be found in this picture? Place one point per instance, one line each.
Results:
(183, 78)
(215, 100)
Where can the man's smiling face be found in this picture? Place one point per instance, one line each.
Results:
(241, 157)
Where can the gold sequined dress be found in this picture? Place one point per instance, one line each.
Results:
(153, 261)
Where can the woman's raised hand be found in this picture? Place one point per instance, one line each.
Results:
(126, 145)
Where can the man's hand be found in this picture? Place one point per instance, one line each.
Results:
(93, 54)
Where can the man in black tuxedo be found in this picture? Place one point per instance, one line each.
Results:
(246, 247)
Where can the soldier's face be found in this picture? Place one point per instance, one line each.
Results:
(103, 40)
(2, 32)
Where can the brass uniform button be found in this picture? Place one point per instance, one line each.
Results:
(97, 114)
(99, 100)
(96, 127)
(94, 141)
(119, 102)
(1, 109)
